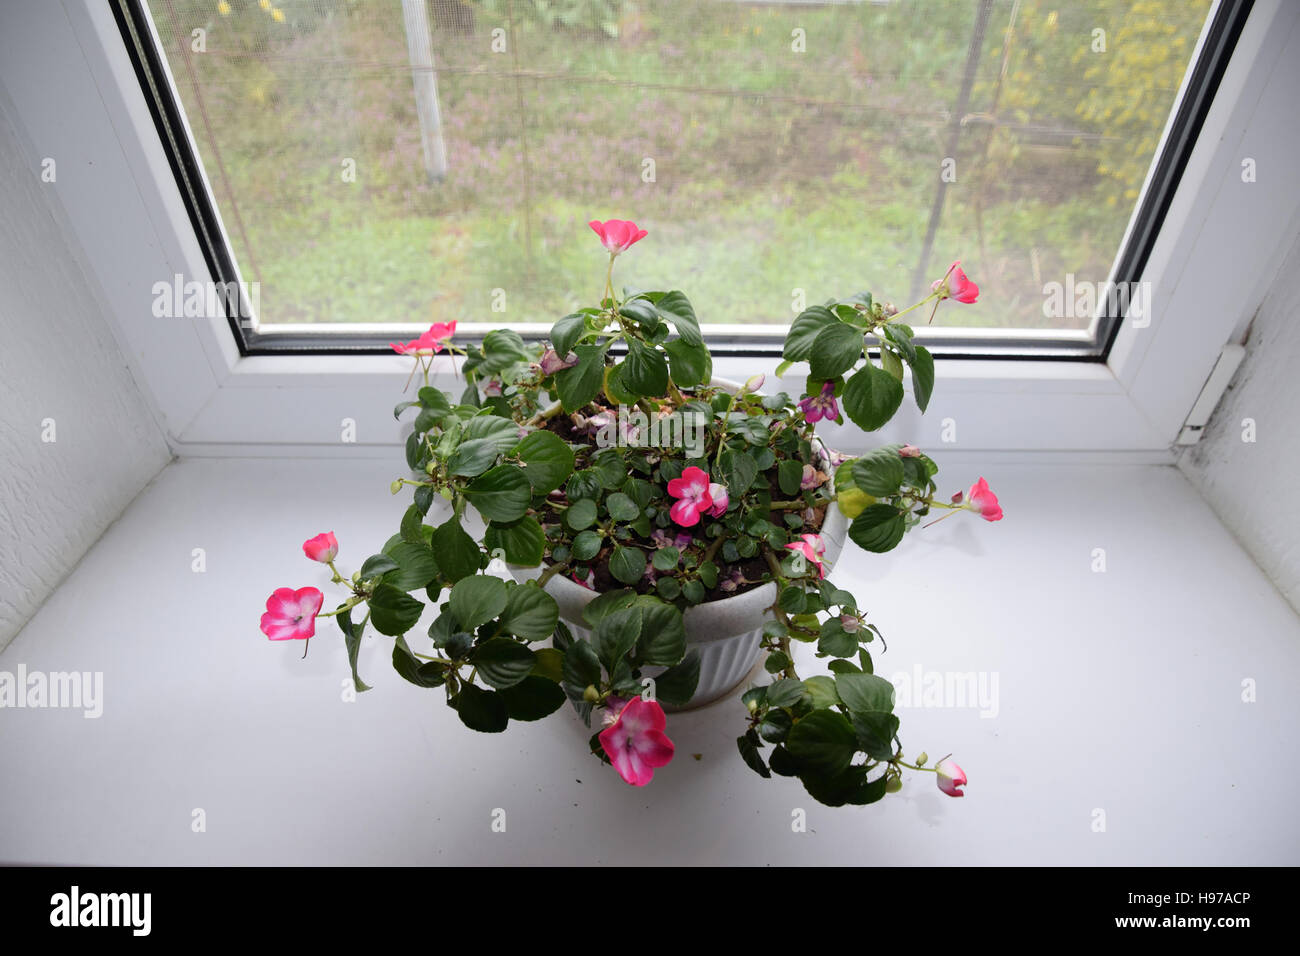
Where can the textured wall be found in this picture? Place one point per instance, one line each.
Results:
(58, 362)
(1252, 485)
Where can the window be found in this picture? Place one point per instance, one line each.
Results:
(1214, 215)
(376, 163)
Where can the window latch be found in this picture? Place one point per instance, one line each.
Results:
(1211, 393)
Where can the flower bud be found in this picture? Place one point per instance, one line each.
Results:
(920, 761)
(591, 695)
(893, 784)
(396, 486)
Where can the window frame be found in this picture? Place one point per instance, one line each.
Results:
(216, 399)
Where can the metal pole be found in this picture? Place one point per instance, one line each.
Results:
(419, 48)
(954, 137)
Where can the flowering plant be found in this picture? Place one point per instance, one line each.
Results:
(609, 457)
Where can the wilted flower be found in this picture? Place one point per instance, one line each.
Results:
(429, 343)
(721, 500)
(550, 362)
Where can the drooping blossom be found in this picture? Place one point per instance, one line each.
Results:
(429, 343)
(822, 405)
(635, 743)
(617, 235)
(721, 500)
(732, 580)
(323, 548)
(692, 492)
(950, 777)
(681, 540)
(550, 362)
(909, 451)
(812, 478)
(983, 501)
(291, 615)
(812, 548)
(956, 285)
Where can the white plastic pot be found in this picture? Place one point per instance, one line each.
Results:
(727, 633)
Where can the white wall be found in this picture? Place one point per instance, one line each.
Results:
(1253, 485)
(58, 361)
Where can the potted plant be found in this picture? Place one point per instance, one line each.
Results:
(664, 530)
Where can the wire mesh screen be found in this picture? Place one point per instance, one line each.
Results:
(415, 161)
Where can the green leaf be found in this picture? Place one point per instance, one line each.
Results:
(566, 332)
(775, 726)
(581, 384)
(615, 635)
(677, 684)
(834, 351)
(352, 641)
(665, 559)
(748, 745)
(411, 668)
(533, 698)
(502, 494)
(530, 613)
(472, 457)
(481, 710)
(674, 307)
(663, 633)
(821, 691)
(627, 564)
(835, 641)
(641, 311)
(875, 733)
(690, 364)
(502, 662)
(581, 514)
(891, 363)
(878, 528)
(458, 553)
(502, 432)
(879, 472)
(871, 396)
(804, 331)
(823, 741)
(865, 692)
(785, 692)
(549, 664)
(581, 665)
(621, 507)
(378, 564)
(477, 600)
(740, 470)
(586, 545)
(922, 377)
(790, 476)
(393, 612)
(644, 370)
(548, 461)
(848, 786)
(412, 527)
(522, 541)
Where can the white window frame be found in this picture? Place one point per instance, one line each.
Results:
(69, 80)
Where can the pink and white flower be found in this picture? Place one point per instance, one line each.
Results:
(635, 743)
(983, 501)
(291, 615)
(429, 343)
(956, 285)
(550, 362)
(950, 777)
(721, 500)
(323, 548)
(692, 490)
(617, 235)
(812, 548)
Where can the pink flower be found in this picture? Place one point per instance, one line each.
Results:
(582, 581)
(812, 548)
(291, 615)
(618, 235)
(821, 406)
(812, 478)
(909, 451)
(950, 777)
(430, 343)
(492, 388)
(636, 743)
(550, 362)
(323, 548)
(955, 285)
(692, 488)
(850, 623)
(984, 501)
(721, 500)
